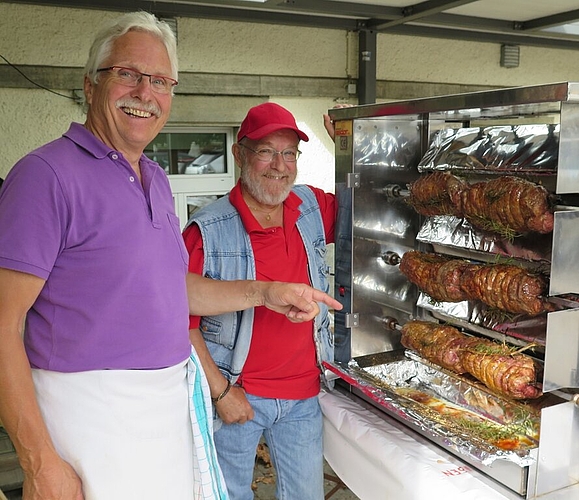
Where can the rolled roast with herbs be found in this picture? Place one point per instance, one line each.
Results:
(498, 366)
(507, 205)
(438, 193)
(436, 275)
(439, 344)
(506, 287)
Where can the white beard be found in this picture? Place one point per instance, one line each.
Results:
(254, 185)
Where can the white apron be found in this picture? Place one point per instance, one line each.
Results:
(129, 433)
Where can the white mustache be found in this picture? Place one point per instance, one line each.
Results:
(149, 107)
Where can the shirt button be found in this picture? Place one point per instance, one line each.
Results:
(115, 156)
(132, 179)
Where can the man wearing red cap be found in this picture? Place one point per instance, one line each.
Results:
(263, 369)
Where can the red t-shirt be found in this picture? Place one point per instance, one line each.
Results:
(282, 357)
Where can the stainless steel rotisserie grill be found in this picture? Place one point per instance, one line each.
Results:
(462, 212)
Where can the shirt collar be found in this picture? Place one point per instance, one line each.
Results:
(85, 139)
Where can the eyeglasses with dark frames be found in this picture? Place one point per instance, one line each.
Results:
(131, 78)
(268, 154)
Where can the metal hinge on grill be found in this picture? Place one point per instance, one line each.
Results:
(353, 180)
(352, 320)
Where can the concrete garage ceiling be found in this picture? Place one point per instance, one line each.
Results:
(543, 23)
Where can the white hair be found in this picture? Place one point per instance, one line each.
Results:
(134, 21)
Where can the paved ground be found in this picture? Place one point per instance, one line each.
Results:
(264, 480)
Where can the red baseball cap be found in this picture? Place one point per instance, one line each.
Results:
(266, 118)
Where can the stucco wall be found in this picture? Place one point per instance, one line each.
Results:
(36, 35)
(30, 118)
(232, 47)
(446, 61)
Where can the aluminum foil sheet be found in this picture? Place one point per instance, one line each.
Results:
(521, 330)
(529, 148)
(455, 232)
(393, 144)
(448, 409)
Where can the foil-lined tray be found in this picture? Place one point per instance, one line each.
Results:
(512, 148)
(445, 407)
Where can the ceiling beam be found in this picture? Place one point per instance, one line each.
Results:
(348, 9)
(496, 26)
(467, 22)
(231, 8)
(349, 16)
(421, 10)
(205, 11)
(550, 21)
(432, 32)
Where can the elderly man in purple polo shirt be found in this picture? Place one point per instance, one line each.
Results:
(99, 389)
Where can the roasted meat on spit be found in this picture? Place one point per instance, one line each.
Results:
(506, 287)
(506, 205)
(513, 375)
(438, 193)
(501, 369)
(436, 275)
(439, 344)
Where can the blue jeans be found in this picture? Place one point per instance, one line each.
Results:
(293, 432)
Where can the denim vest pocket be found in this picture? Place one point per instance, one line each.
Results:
(220, 329)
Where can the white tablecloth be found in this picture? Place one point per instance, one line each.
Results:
(378, 461)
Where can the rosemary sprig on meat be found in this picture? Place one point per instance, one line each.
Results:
(503, 370)
(508, 205)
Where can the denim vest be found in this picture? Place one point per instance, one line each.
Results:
(229, 256)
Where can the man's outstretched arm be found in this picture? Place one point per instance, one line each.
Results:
(297, 301)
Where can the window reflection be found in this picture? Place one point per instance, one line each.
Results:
(194, 203)
(190, 153)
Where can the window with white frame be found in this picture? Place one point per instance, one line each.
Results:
(198, 162)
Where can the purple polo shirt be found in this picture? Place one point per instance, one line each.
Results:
(74, 213)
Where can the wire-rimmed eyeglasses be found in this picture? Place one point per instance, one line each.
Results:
(131, 78)
(268, 154)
